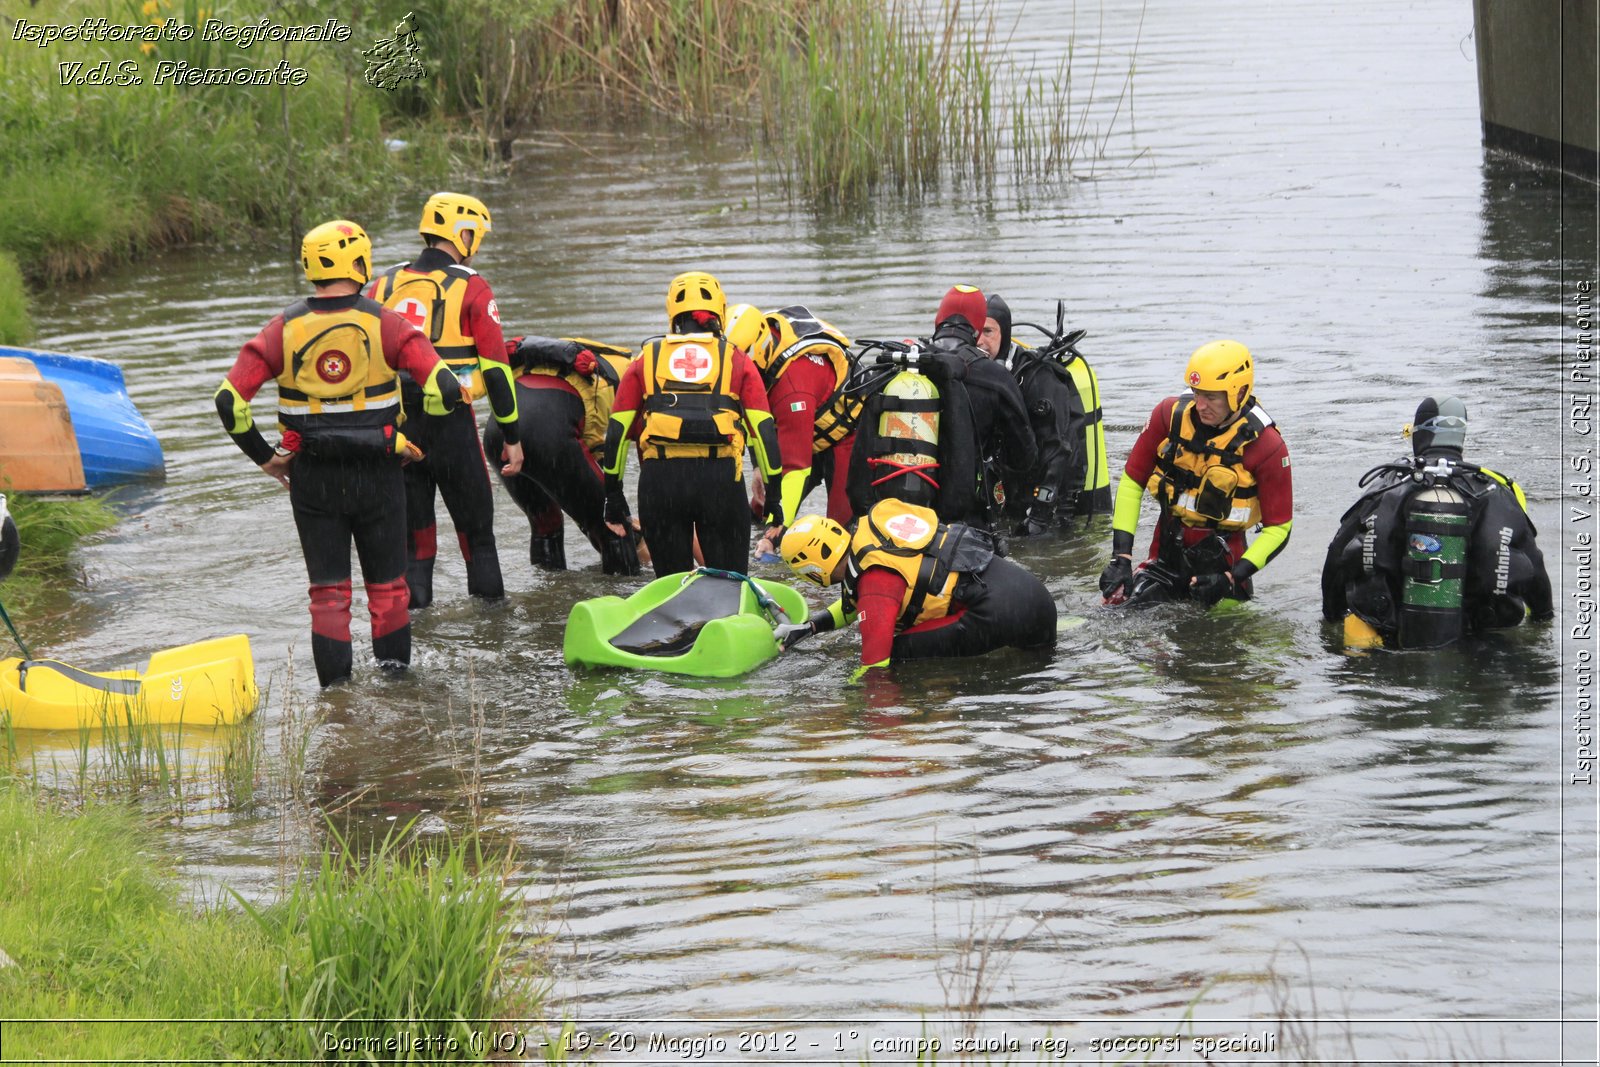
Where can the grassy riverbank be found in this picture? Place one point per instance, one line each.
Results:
(92, 175)
(842, 98)
(94, 927)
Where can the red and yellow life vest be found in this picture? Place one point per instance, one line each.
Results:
(836, 415)
(432, 301)
(1203, 481)
(334, 371)
(689, 406)
(929, 555)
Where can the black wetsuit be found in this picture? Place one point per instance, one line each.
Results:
(1001, 428)
(559, 474)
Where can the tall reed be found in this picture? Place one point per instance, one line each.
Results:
(407, 934)
(843, 97)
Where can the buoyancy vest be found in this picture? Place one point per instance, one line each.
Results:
(334, 372)
(689, 406)
(931, 556)
(432, 301)
(837, 414)
(1202, 481)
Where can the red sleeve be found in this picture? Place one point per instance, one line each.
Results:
(630, 389)
(260, 360)
(746, 382)
(407, 348)
(879, 591)
(1142, 460)
(480, 320)
(794, 399)
(1267, 458)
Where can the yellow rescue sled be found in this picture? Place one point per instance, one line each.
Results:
(209, 683)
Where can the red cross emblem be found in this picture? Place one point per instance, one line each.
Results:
(1194, 377)
(691, 363)
(333, 366)
(413, 311)
(908, 528)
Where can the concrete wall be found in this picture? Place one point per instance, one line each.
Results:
(1538, 85)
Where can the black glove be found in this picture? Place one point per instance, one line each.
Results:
(1210, 588)
(790, 634)
(616, 504)
(773, 516)
(1117, 578)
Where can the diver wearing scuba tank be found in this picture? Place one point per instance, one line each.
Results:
(1062, 394)
(1001, 428)
(1436, 548)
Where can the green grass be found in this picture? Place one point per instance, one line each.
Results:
(96, 175)
(94, 923)
(404, 933)
(16, 325)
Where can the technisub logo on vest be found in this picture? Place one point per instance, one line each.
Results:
(1502, 561)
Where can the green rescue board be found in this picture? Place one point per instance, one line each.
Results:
(707, 625)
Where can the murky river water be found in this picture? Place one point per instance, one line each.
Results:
(1152, 822)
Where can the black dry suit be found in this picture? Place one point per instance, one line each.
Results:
(912, 443)
(559, 473)
(1435, 549)
(1005, 442)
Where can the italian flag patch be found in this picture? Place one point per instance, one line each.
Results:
(798, 405)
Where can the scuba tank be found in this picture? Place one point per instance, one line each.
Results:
(908, 436)
(1433, 567)
(914, 441)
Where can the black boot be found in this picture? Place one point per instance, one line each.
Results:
(483, 573)
(419, 579)
(332, 657)
(548, 553)
(393, 650)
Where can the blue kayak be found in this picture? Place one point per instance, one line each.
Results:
(115, 441)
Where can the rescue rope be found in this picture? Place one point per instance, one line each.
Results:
(14, 635)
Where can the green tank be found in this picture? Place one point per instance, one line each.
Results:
(1437, 525)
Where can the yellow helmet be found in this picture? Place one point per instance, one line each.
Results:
(696, 290)
(458, 218)
(814, 548)
(1223, 367)
(747, 330)
(336, 250)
